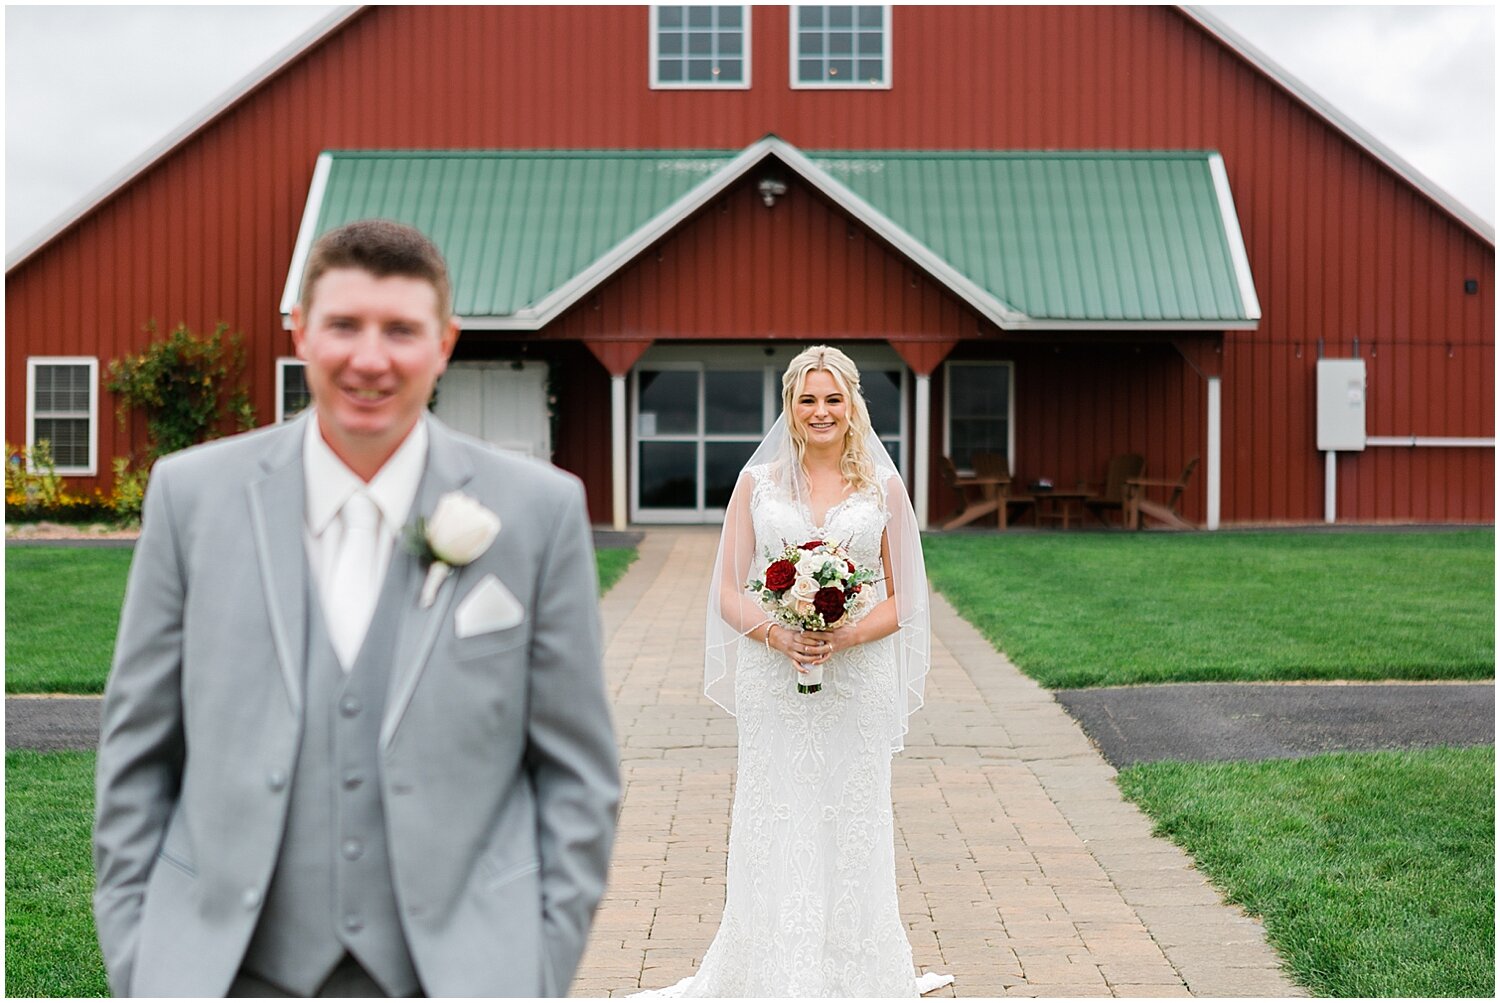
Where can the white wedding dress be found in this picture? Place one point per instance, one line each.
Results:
(810, 906)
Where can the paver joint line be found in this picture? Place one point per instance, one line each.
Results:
(1017, 860)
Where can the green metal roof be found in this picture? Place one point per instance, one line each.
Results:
(513, 226)
(1039, 240)
(1064, 236)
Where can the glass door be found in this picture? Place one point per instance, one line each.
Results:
(694, 424)
(695, 427)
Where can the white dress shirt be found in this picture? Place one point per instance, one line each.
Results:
(329, 483)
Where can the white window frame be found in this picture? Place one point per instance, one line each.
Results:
(700, 85)
(772, 363)
(32, 362)
(1010, 405)
(854, 85)
(282, 362)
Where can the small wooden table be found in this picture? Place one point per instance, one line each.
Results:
(1058, 506)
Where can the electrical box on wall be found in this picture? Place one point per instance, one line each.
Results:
(1341, 404)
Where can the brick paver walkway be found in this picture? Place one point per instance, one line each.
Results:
(1021, 870)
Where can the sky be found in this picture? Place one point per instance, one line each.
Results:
(90, 89)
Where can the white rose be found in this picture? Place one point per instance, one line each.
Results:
(804, 589)
(460, 529)
(810, 564)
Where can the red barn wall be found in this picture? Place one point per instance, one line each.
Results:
(1340, 248)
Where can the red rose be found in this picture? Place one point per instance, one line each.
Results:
(811, 545)
(829, 602)
(780, 576)
(851, 566)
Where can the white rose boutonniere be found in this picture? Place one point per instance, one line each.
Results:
(457, 532)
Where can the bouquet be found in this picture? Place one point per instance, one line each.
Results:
(813, 586)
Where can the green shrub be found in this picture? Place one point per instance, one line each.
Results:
(189, 386)
(130, 490)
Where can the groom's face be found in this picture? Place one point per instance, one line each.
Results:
(374, 349)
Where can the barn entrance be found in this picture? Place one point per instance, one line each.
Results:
(698, 412)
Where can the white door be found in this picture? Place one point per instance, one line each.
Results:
(503, 403)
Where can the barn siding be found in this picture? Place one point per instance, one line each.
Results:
(1340, 248)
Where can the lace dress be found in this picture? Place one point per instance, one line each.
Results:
(810, 906)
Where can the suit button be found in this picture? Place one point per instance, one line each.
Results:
(349, 706)
(276, 780)
(251, 898)
(352, 849)
(353, 923)
(352, 780)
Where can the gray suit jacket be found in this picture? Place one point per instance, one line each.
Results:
(498, 765)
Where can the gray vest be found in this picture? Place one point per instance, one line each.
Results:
(332, 891)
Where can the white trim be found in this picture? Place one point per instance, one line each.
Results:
(282, 362)
(885, 54)
(1319, 106)
(699, 85)
(1249, 302)
(543, 312)
(1485, 442)
(922, 449)
(658, 226)
(213, 110)
(527, 321)
(1215, 448)
(1133, 325)
(305, 230)
(1330, 486)
(961, 285)
(1002, 314)
(619, 458)
(1010, 406)
(92, 469)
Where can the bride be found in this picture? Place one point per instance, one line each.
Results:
(810, 906)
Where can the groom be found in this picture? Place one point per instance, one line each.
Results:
(329, 765)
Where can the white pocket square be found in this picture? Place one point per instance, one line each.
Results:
(488, 607)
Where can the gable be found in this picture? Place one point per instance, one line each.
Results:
(1109, 240)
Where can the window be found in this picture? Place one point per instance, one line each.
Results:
(696, 423)
(978, 403)
(62, 409)
(841, 46)
(292, 395)
(700, 47)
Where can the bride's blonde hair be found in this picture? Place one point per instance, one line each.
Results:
(855, 463)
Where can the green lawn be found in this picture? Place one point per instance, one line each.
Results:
(1374, 872)
(1105, 609)
(62, 609)
(613, 561)
(50, 949)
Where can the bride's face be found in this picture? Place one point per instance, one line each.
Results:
(821, 410)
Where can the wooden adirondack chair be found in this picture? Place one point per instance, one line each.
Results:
(1138, 505)
(979, 495)
(1121, 469)
(993, 466)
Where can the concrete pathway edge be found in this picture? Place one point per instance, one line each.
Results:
(1216, 948)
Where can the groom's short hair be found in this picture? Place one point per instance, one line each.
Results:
(383, 248)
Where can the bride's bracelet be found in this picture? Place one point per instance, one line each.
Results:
(770, 626)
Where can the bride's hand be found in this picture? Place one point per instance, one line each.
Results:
(802, 647)
(824, 644)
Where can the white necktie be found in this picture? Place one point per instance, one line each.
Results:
(349, 598)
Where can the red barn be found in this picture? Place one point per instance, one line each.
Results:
(1058, 234)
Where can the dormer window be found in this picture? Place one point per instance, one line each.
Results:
(700, 47)
(841, 47)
